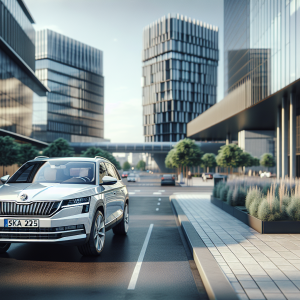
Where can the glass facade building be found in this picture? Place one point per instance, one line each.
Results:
(179, 78)
(18, 84)
(73, 72)
(261, 45)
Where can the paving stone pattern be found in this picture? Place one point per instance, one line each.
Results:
(259, 266)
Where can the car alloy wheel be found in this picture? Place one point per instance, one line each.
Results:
(99, 233)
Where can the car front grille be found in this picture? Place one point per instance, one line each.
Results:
(30, 236)
(41, 208)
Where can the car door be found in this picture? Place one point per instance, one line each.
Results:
(113, 196)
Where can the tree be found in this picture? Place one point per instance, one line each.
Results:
(93, 152)
(141, 165)
(59, 148)
(230, 156)
(26, 152)
(255, 162)
(126, 166)
(170, 162)
(246, 160)
(267, 160)
(8, 151)
(187, 154)
(209, 160)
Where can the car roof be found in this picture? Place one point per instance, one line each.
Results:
(79, 158)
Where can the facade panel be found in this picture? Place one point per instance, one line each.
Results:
(180, 59)
(73, 72)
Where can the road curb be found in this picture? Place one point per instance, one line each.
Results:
(215, 282)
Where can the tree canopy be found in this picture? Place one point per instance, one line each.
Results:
(59, 148)
(93, 151)
(9, 150)
(209, 160)
(187, 154)
(230, 156)
(26, 152)
(141, 165)
(126, 166)
(170, 162)
(267, 160)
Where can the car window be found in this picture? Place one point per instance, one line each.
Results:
(102, 172)
(117, 173)
(23, 176)
(111, 171)
(167, 176)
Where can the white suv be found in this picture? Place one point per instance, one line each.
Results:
(63, 200)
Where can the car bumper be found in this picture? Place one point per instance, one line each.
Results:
(169, 182)
(69, 225)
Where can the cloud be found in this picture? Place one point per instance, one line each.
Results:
(115, 40)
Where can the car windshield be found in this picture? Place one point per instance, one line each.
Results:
(56, 171)
(131, 174)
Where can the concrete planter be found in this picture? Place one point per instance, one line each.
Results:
(258, 225)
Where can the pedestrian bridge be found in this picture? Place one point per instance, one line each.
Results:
(151, 148)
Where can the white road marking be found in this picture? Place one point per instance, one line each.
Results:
(137, 190)
(158, 203)
(157, 209)
(156, 193)
(159, 199)
(138, 265)
(131, 193)
(161, 190)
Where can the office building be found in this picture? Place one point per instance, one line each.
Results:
(73, 71)
(19, 87)
(262, 82)
(179, 79)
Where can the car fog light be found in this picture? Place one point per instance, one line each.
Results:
(85, 208)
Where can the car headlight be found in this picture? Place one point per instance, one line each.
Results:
(76, 201)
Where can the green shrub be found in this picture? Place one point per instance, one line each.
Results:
(229, 196)
(293, 209)
(253, 207)
(238, 196)
(274, 213)
(217, 189)
(252, 194)
(223, 193)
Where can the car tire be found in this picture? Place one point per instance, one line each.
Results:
(95, 243)
(122, 227)
(4, 247)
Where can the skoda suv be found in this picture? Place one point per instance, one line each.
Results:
(63, 200)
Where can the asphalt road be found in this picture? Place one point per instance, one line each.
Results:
(35, 271)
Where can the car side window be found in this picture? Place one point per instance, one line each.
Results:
(117, 173)
(111, 171)
(102, 172)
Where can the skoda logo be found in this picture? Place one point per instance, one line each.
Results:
(23, 197)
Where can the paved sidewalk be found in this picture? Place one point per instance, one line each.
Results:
(259, 266)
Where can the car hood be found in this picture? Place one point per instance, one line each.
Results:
(46, 191)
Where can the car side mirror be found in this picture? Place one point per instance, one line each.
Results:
(108, 180)
(4, 178)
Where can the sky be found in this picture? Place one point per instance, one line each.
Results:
(116, 28)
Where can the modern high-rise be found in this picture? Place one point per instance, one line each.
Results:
(261, 108)
(73, 71)
(19, 87)
(179, 79)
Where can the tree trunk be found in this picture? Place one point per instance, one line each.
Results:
(207, 169)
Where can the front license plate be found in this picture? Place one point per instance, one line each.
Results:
(21, 223)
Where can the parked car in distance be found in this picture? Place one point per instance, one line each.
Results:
(131, 177)
(72, 200)
(207, 176)
(265, 174)
(125, 174)
(167, 180)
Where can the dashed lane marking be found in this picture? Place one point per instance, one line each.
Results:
(138, 265)
(157, 193)
(157, 209)
(131, 193)
(158, 203)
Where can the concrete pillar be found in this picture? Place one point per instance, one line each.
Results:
(278, 143)
(284, 138)
(292, 136)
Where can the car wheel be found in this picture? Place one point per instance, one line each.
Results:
(122, 227)
(4, 247)
(95, 244)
